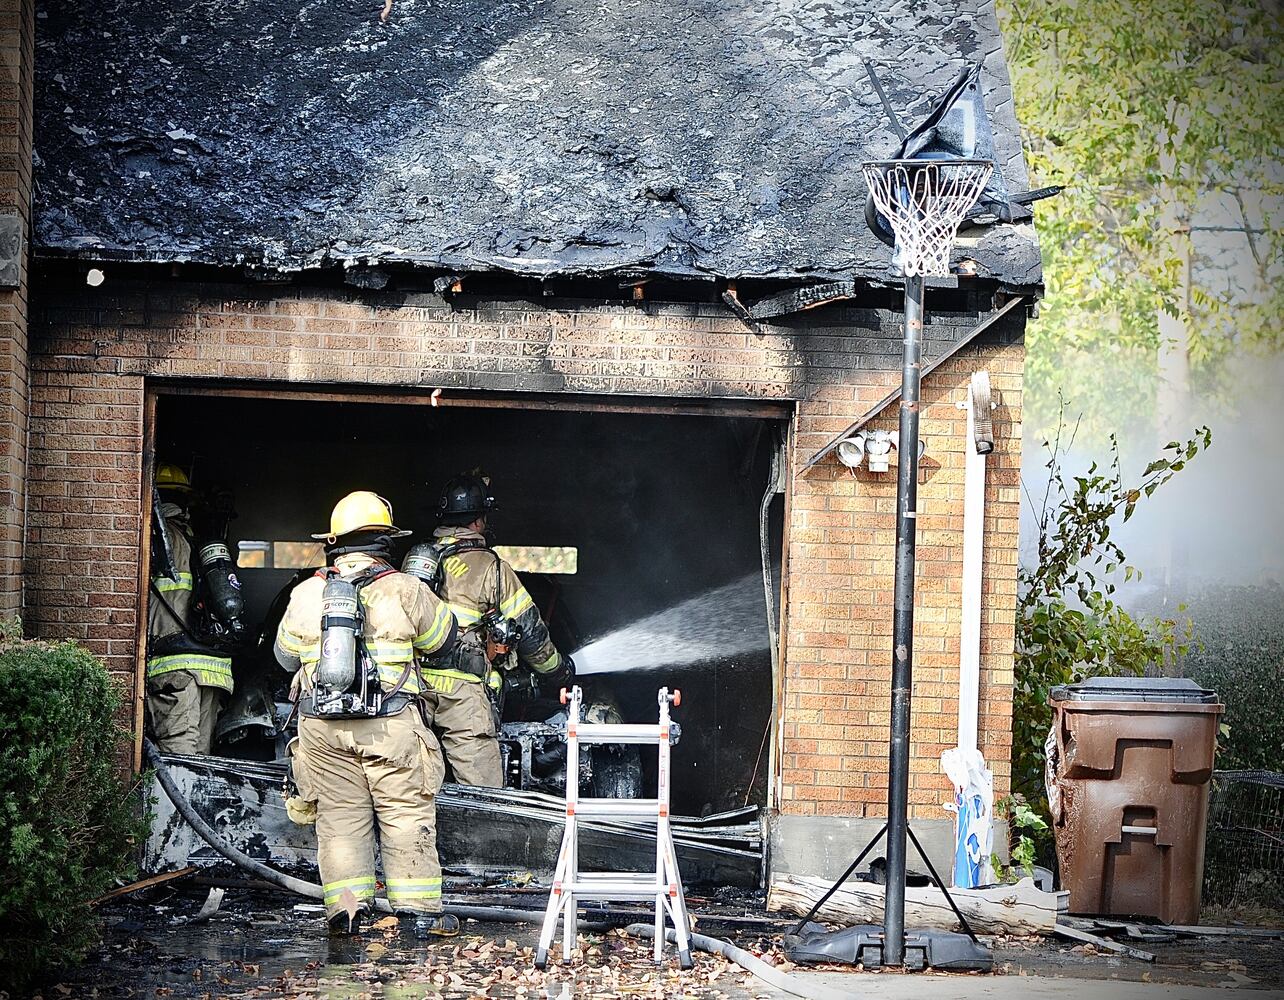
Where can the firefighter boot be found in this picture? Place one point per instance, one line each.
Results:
(347, 923)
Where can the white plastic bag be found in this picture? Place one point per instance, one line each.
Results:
(974, 816)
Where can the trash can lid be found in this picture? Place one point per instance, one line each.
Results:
(1181, 690)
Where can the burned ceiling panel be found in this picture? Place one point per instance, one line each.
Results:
(681, 137)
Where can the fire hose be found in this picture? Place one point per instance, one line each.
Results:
(296, 885)
(494, 914)
(749, 962)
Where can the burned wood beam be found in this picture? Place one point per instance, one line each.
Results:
(1202, 930)
(895, 394)
(144, 883)
(1038, 194)
(1105, 944)
(736, 306)
(797, 300)
(636, 288)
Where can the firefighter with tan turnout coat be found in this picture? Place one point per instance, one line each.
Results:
(497, 621)
(356, 634)
(193, 621)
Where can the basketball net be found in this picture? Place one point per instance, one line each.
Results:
(925, 202)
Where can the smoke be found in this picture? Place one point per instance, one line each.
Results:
(715, 625)
(1219, 520)
(1220, 517)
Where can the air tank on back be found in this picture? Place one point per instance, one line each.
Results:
(423, 562)
(222, 588)
(340, 627)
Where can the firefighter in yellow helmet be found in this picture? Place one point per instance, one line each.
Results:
(355, 635)
(189, 672)
(497, 618)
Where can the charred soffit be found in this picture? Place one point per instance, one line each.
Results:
(532, 137)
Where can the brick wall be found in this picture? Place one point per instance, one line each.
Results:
(842, 549)
(16, 58)
(92, 351)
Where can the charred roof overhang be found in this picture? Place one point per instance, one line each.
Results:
(529, 140)
(755, 301)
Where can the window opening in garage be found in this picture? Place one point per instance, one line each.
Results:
(297, 555)
(253, 555)
(561, 559)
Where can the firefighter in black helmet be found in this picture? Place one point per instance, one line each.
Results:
(189, 678)
(498, 621)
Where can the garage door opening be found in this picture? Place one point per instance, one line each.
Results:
(637, 533)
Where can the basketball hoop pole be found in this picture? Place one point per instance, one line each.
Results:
(903, 624)
(923, 202)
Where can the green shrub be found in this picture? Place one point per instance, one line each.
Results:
(1240, 655)
(67, 825)
(1026, 830)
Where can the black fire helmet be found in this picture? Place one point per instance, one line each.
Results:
(464, 499)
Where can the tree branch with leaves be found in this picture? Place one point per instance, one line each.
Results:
(1145, 113)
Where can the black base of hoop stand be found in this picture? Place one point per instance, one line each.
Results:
(851, 869)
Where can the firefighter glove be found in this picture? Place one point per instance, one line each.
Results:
(296, 685)
(560, 675)
(300, 810)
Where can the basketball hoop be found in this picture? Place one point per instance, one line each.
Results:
(924, 202)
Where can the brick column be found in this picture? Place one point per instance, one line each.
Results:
(17, 26)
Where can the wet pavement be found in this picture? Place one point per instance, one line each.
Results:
(259, 945)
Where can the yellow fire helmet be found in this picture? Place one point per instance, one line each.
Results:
(171, 477)
(360, 511)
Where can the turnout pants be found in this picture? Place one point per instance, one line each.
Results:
(365, 771)
(463, 717)
(184, 712)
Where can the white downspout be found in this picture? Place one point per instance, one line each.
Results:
(973, 803)
(973, 547)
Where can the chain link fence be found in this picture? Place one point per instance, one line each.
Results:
(1244, 856)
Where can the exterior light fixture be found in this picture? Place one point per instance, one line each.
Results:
(873, 448)
(878, 450)
(851, 451)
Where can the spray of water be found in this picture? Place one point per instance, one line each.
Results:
(720, 623)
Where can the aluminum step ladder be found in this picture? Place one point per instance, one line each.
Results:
(570, 885)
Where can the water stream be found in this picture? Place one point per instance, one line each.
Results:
(720, 623)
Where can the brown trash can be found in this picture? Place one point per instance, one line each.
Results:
(1128, 765)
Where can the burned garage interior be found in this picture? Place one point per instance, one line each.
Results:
(639, 529)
